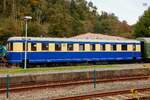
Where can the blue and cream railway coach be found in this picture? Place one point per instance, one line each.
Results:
(46, 50)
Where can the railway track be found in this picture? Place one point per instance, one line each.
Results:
(101, 94)
(29, 86)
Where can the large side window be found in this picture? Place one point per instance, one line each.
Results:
(113, 47)
(92, 47)
(102, 47)
(57, 47)
(124, 47)
(45, 46)
(33, 46)
(24, 47)
(81, 47)
(10, 46)
(70, 47)
(134, 47)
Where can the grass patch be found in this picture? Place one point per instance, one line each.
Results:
(28, 70)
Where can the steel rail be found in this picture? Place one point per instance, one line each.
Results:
(15, 88)
(100, 94)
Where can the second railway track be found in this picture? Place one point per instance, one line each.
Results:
(24, 87)
(101, 94)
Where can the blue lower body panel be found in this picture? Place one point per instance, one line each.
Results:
(46, 57)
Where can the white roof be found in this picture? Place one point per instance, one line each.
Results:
(70, 39)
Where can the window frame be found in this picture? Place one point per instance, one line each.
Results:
(10, 46)
(46, 48)
(70, 48)
(114, 47)
(33, 46)
(134, 47)
(58, 46)
(83, 48)
(92, 47)
(23, 46)
(102, 47)
(124, 48)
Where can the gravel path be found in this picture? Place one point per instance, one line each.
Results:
(42, 94)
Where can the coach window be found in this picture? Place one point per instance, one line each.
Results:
(124, 47)
(33, 47)
(114, 47)
(70, 47)
(102, 47)
(24, 47)
(10, 47)
(134, 47)
(92, 47)
(81, 47)
(57, 47)
(44, 46)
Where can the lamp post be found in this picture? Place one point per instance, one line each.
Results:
(26, 18)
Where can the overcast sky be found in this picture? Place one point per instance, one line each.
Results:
(128, 10)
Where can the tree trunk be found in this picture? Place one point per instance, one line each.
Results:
(13, 9)
(4, 6)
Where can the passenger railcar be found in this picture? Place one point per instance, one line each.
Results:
(145, 48)
(49, 50)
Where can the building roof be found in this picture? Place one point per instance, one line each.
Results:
(98, 36)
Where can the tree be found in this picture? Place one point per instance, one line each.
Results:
(63, 18)
(4, 6)
(142, 28)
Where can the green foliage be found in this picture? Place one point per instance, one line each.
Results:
(142, 28)
(34, 29)
(61, 18)
(109, 23)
